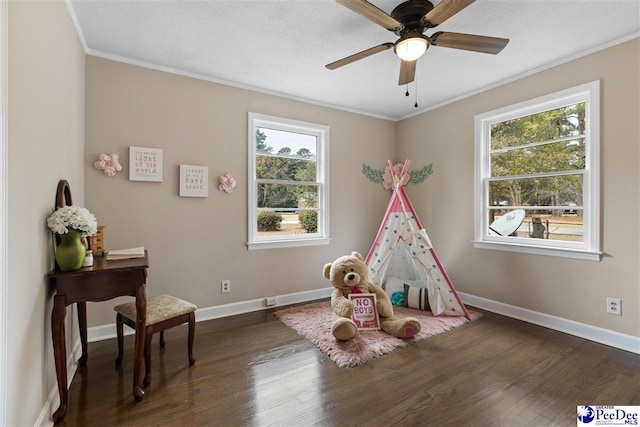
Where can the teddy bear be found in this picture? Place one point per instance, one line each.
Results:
(348, 274)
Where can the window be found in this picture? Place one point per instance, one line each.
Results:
(537, 175)
(288, 183)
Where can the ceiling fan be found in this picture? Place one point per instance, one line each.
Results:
(409, 21)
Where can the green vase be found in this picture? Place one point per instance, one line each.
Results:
(70, 252)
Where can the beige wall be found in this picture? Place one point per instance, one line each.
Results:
(197, 122)
(45, 144)
(566, 288)
(194, 243)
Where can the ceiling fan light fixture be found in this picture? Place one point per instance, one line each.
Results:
(412, 47)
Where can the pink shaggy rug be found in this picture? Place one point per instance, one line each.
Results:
(313, 321)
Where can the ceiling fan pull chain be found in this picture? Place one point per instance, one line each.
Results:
(407, 94)
(416, 104)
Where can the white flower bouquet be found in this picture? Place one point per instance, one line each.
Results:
(75, 218)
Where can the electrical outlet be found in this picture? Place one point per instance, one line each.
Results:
(614, 306)
(225, 287)
(271, 301)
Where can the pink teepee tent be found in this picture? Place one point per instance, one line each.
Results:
(402, 255)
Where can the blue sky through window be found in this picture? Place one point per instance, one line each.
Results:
(295, 141)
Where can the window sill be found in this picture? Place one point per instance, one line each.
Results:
(288, 243)
(540, 250)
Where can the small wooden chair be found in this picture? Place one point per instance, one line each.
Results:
(163, 312)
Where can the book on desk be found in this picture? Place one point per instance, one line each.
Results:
(130, 253)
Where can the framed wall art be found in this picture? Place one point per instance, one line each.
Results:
(194, 181)
(145, 164)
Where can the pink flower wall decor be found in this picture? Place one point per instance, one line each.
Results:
(387, 178)
(226, 183)
(108, 163)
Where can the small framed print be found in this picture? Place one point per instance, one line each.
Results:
(365, 311)
(145, 164)
(194, 181)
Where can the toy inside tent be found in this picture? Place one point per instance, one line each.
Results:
(402, 249)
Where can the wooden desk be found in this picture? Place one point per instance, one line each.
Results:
(104, 281)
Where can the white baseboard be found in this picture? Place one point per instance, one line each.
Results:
(53, 400)
(104, 332)
(589, 332)
(592, 333)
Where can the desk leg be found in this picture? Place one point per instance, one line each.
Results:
(59, 354)
(82, 325)
(141, 328)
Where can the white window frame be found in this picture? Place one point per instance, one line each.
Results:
(321, 132)
(589, 248)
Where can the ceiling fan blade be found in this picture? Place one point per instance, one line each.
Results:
(483, 44)
(372, 13)
(407, 72)
(445, 10)
(360, 55)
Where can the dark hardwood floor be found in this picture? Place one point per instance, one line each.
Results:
(252, 370)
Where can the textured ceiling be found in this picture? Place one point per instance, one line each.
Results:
(281, 46)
